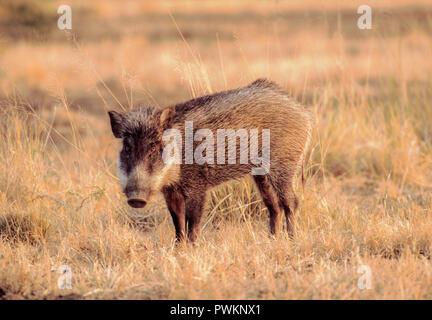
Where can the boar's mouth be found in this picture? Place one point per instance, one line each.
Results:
(137, 203)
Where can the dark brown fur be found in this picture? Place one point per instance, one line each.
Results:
(261, 105)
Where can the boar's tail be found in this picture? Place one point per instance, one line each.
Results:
(303, 177)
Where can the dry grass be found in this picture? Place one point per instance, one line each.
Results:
(367, 200)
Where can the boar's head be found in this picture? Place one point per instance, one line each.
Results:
(142, 171)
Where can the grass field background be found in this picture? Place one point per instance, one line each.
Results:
(367, 198)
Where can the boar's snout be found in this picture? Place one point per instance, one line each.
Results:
(137, 203)
(136, 197)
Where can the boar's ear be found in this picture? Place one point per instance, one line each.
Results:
(166, 118)
(117, 123)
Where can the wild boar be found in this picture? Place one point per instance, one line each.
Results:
(172, 151)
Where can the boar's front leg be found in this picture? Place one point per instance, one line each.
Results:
(194, 209)
(176, 206)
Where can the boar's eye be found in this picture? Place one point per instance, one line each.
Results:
(152, 148)
(127, 146)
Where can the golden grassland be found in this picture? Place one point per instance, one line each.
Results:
(367, 198)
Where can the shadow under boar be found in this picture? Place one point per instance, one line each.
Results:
(261, 107)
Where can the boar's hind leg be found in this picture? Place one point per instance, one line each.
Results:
(176, 206)
(194, 209)
(270, 199)
(288, 199)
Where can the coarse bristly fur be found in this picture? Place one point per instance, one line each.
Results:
(260, 105)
